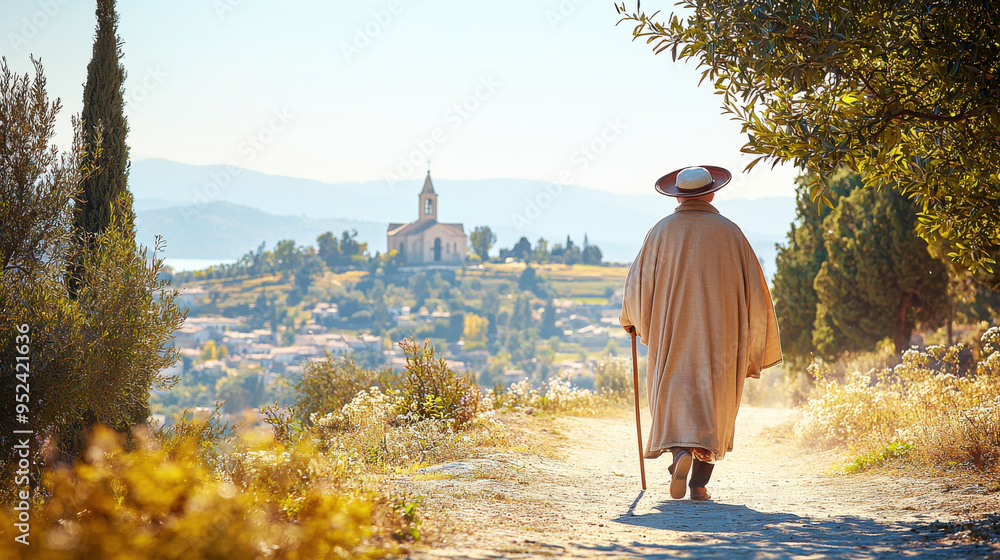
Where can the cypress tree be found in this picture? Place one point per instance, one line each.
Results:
(105, 129)
(104, 197)
(94, 358)
(549, 328)
(879, 279)
(798, 262)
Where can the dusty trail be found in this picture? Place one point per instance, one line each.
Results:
(770, 500)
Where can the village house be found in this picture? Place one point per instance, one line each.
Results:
(213, 325)
(264, 359)
(210, 368)
(590, 336)
(238, 342)
(364, 341)
(190, 336)
(324, 311)
(333, 343)
(191, 297)
(292, 355)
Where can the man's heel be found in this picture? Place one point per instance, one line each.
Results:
(678, 480)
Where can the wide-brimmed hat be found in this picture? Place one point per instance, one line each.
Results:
(693, 181)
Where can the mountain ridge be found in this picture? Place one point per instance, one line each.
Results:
(181, 202)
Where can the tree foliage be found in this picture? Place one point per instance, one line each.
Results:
(327, 385)
(879, 279)
(482, 239)
(37, 184)
(521, 315)
(541, 250)
(528, 280)
(905, 93)
(433, 390)
(797, 263)
(242, 391)
(343, 252)
(474, 332)
(311, 265)
(105, 125)
(592, 255)
(522, 250)
(549, 328)
(93, 357)
(300, 262)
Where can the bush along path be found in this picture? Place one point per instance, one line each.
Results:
(576, 493)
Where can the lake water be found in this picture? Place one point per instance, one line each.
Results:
(184, 265)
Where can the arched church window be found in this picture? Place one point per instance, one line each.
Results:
(428, 206)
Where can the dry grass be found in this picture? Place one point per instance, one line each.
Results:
(581, 283)
(936, 409)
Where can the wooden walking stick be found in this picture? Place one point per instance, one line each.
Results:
(638, 425)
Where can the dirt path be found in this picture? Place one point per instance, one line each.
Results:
(770, 500)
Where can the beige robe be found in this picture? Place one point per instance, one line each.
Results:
(698, 299)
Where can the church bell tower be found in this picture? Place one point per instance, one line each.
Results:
(428, 201)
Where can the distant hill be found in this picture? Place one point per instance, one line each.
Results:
(301, 209)
(221, 230)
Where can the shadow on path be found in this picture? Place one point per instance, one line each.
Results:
(710, 529)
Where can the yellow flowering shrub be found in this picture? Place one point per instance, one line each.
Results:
(939, 406)
(613, 379)
(154, 503)
(378, 431)
(556, 395)
(851, 412)
(316, 490)
(430, 389)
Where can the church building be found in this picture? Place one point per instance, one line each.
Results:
(428, 241)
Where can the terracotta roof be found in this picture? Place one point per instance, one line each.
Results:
(417, 227)
(410, 229)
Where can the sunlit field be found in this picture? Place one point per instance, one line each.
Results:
(580, 283)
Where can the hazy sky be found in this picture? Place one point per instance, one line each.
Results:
(349, 91)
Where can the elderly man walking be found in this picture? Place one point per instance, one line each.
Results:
(697, 297)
